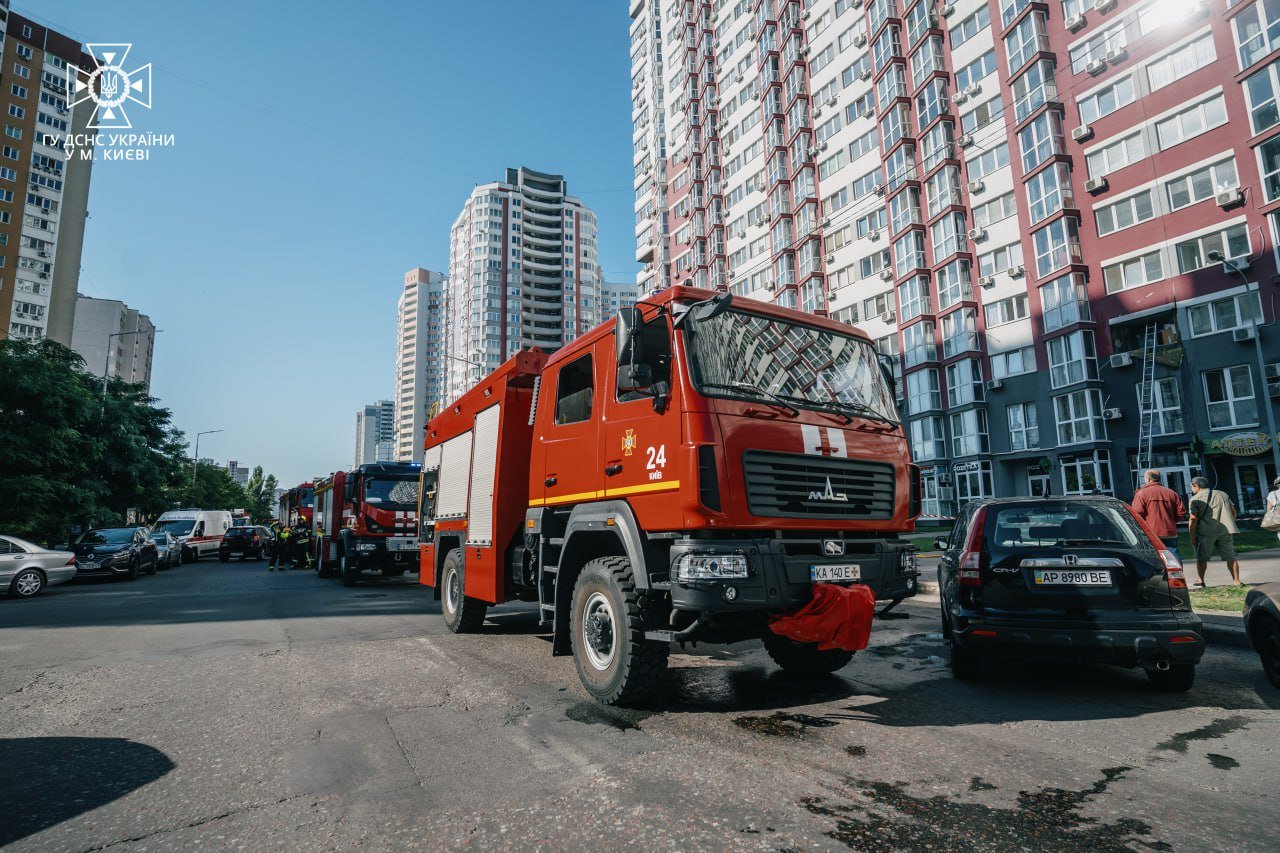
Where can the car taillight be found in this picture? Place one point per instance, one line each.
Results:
(256, 538)
(970, 568)
(71, 561)
(1169, 560)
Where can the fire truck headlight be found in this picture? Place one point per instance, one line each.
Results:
(695, 567)
(366, 546)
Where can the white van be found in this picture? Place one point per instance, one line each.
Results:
(198, 531)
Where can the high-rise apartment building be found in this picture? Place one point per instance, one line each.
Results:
(376, 432)
(239, 473)
(523, 272)
(1027, 204)
(108, 333)
(420, 334)
(614, 295)
(43, 195)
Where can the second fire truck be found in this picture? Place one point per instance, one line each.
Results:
(366, 521)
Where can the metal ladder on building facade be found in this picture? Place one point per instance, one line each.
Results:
(1146, 400)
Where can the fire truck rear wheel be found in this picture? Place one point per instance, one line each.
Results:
(804, 659)
(615, 662)
(462, 614)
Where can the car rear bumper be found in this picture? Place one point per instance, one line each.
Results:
(107, 571)
(1175, 641)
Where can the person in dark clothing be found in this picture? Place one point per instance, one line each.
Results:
(280, 553)
(301, 544)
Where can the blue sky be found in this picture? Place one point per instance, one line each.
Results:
(323, 149)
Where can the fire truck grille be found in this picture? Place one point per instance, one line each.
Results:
(797, 485)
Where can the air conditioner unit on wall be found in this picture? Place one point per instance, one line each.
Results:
(1081, 133)
(1122, 359)
(1229, 197)
(1096, 66)
(1246, 333)
(1112, 414)
(1273, 388)
(995, 384)
(1075, 22)
(1095, 185)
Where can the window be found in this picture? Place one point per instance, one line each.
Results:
(976, 70)
(918, 346)
(913, 298)
(1079, 416)
(1125, 213)
(1006, 310)
(904, 209)
(908, 253)
(936, 144)
(1166, 406)
(973, 481)
(969, 432)
(574, 392)
(923, 394)
(1181, 62)
(984, 114)
(19, 91)
(988, 161)
(1065, 300)
(1257, 31)
(1194, 254)
(1013, 362)
(1223, 315)
(1116, 155)
(959, 332)
(1041, 139)
(1057, 245)
(1072, 359)
(1024, 430)
(1033, 88)
(869, 141)
(1260, 89)
(17, 112)
(1084, 475)
(1134, 272)
(932, 101)
(1048, 192)
(943, 189)
(24, 50)
(996, 210)
(964, 383)
(999, 260)
(21, 71)
(948, 235)
(970, 27)
(1228, 394)
(1095, 47)
(1203, 183)
(954, 283)
(927, 440)
(1025, 40)
(1191, 122)
(1107, 100)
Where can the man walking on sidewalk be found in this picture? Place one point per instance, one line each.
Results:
(1213, 527)
(1160, 508)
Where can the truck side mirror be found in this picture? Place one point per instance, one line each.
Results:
(887, 371)
(625, 340)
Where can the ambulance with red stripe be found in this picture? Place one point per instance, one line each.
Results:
(198, 531)
(702, 468)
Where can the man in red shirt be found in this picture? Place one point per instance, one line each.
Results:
(1160, 508)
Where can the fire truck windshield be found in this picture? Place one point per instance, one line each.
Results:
(387, 492)
(737, 354)
(307, 497)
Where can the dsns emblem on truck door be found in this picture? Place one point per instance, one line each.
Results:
(629, 443)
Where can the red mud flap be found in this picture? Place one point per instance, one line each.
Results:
(837, 617)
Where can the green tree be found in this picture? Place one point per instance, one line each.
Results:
(260, 495)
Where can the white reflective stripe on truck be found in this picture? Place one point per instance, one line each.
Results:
(455, 477)
(484, 468)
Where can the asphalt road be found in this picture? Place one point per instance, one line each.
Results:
(222, 706)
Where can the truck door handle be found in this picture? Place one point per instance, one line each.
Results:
(549, 482)
(610, 470)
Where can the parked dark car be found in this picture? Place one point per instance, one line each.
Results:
(1075, 579)
(1262, 622)
(115, 552)
(247, 541)
(168, 549)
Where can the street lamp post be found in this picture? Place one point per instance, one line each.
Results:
(106, 362)
(1252, 287)
(195, 459)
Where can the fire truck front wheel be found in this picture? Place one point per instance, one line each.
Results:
(804, 659)
(615, 662)
(348, 569)
(462, 614)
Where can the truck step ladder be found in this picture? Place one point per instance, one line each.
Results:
(1146, 400)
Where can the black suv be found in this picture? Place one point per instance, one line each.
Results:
(1077, 579)
(247, 541)
(115, 552)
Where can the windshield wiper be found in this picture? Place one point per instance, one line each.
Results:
(769, 396)
(863, 410)
(829, 406)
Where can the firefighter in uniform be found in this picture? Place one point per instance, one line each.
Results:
(280, 553)
(301, 544)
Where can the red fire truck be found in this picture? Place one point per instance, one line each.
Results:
(367, 521)
(297, 502)
(685, 472)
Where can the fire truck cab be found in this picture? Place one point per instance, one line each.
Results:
(681, 473)
(366, 520)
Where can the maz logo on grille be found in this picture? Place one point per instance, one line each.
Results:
(830, 495)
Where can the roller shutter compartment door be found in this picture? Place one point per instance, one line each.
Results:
(455, 476)
(484, 466)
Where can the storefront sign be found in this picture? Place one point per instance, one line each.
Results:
(966, 467)
(1240, 444)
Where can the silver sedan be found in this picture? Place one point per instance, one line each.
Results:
(26, 568)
